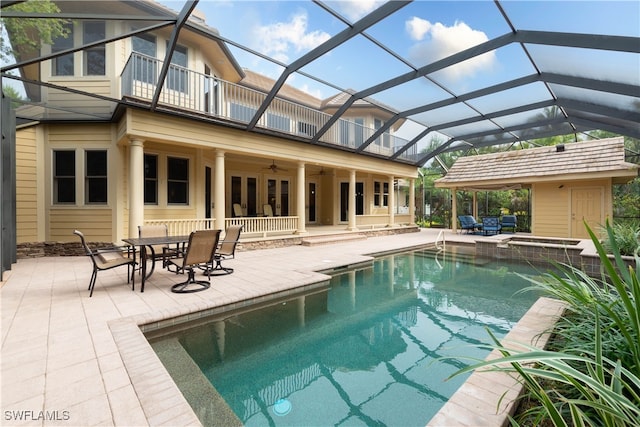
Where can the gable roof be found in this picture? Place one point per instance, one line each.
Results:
(580, 160)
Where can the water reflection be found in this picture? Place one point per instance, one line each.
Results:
(364, 351)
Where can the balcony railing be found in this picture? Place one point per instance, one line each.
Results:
(205, 94)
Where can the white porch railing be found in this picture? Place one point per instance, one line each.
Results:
(182, 227)
(253, 226)
(264, 226)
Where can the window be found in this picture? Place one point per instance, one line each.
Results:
(307, 129)
(64, 177)
(63, 65)
(95, 183)
(276, 121)
(385, 139)
(94, 58)
(144, 67)
(242, 112)
(177, 181)
(177, 78)
(359, 136)
(150, 179)
(380, 194)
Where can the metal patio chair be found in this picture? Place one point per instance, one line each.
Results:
(106, 259)
(163, 252)
(226, 250)
(199, 254)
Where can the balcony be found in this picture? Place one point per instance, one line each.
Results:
(204, 94)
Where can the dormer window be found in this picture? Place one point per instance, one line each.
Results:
(177, 78)
(94, 57)
(63, 65)
(145, 67)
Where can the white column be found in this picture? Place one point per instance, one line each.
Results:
(136, 186)
(352, 200)
(412, 201)
(219, 211)
(392, 203)
(301, 199)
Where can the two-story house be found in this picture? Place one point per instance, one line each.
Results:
(127, 139)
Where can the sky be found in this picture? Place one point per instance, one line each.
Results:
(421, 33)
(418, 34)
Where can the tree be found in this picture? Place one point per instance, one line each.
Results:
(12, 93)
(29, 34)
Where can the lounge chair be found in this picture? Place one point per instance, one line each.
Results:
(199, 253)
(267, 210)
(469, 223)
(237, 210)
(510, 222)
(226, 250)
(491, 225)
(106, 259)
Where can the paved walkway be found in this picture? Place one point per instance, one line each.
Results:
(71, 360)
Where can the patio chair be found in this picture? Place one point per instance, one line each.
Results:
(226, 250)
(106, 259)
(509, 221)
(469, 223)
(163, 252)
(199, 253)
(237, 210)
(491, 225)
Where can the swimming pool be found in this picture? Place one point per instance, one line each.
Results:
(366, 349)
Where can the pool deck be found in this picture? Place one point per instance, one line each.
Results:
(71, 360)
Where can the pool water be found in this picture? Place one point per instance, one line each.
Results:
(371, 349)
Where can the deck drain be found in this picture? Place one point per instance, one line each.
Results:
(282, 407)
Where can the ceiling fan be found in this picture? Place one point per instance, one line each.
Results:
(322, 172)
(274, 168)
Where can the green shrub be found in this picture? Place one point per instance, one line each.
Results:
(626, 236)
(590, 374)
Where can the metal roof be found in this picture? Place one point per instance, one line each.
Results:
(546, 76)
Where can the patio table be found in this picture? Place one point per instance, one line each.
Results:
(150, 242)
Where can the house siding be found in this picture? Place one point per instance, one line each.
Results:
(552, 210)
(26, 186)
(95, 223)
(84, 104)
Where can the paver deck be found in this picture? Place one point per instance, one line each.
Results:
(71, 360)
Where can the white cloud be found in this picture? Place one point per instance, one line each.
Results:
(417, 28)
(437, 41)
(276, 40)
(356, 9)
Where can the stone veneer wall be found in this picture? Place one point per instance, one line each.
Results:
(43, 249)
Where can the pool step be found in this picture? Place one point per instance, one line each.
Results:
(332, 238)
(459, 253)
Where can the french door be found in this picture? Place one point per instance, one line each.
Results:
(344, 200)
(278, 195)
(244, 191)
(312, 194)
